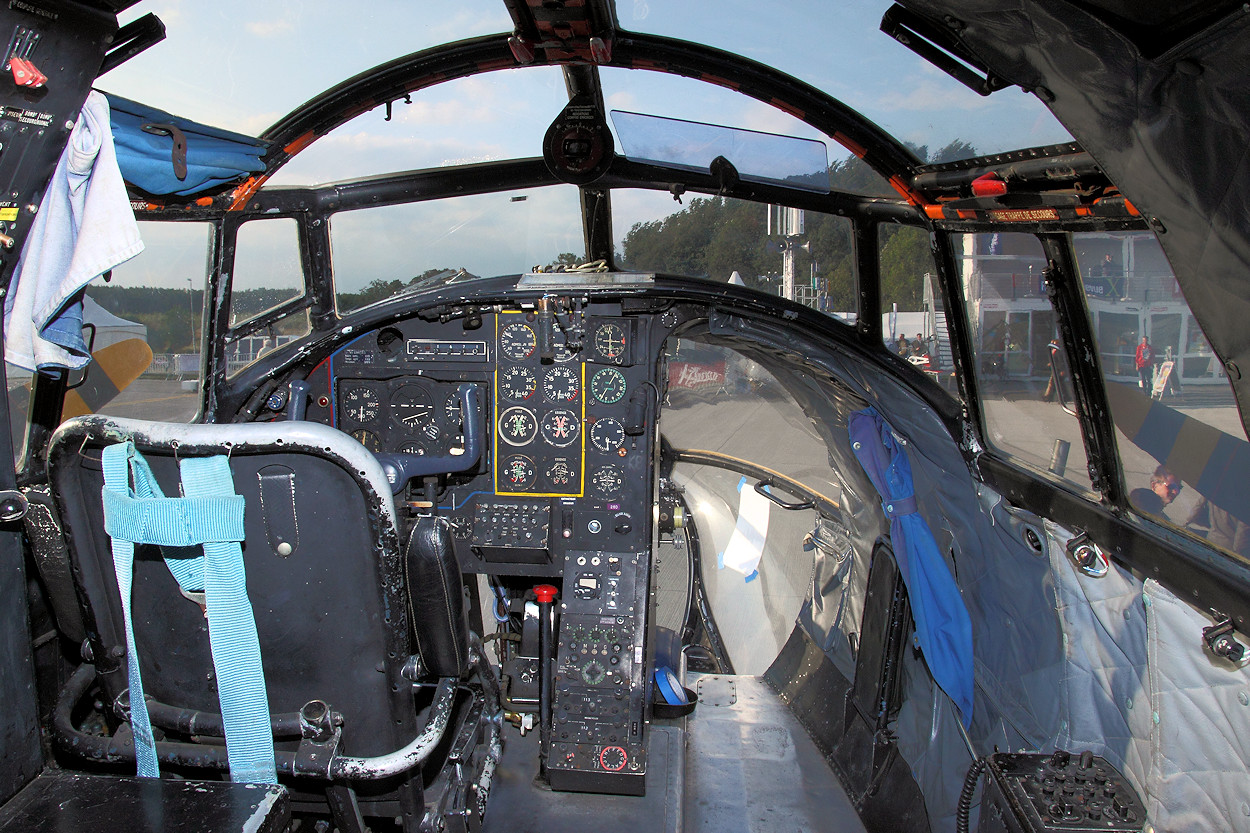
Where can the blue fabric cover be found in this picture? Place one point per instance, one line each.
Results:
(943, 627)
(214, 157)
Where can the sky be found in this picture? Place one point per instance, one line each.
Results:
(243, 65)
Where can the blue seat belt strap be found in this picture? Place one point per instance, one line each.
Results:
(211, 515)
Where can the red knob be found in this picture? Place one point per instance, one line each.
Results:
(546, 593)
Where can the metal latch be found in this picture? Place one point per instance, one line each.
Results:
(13, 506)
(1088, 556)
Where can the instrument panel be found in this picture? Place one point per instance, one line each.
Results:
(569, 410)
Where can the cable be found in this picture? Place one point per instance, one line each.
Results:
(965, 796)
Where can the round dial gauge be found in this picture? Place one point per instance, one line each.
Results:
(517, 383)
(517, 426)
(561, 384)
(607, 480)
(608, 385)
(368, 439)
(411, 446)
(613, 758)
(670, 318)
(411, 406)
(560, 427)
(517, 341)
(362, 405)
(560, 474)
(451, 410)
(517, 472)
(607, 434)
(610, 342)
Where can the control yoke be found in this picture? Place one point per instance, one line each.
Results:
(401, 467)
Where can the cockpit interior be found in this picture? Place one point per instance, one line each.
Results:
(592, 414)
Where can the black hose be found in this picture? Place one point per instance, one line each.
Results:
(965, 796)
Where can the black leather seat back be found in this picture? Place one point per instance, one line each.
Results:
(436, 599)
(323, 562)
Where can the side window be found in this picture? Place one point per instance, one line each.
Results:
(144, 329)
(266, 274)
(716, 414)
(1182, 446)
(913, 311)
(1023, 382)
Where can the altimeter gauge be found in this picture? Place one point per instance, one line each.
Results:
(607, 434)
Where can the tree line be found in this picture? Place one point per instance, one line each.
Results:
(711, 237)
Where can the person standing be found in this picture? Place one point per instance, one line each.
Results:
(1163, 489)
(1144, 359)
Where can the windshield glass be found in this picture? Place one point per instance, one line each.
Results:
(389, 250)
(762, 157)
(838, 47)
(242, 65)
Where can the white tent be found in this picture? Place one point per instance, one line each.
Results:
(109, 328)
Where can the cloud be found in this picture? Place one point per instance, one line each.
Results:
(270, 28)
(929, 95)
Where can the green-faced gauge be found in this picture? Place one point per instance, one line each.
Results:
(608, 385)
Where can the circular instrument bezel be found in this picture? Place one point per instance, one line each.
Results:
(561, 384)
(610, 342)
(371, 404)
(517, 341)
(506, 469)
(412, 407)
(517, 383)
(556, 421)
(607, 434)
(605, 383)
(528, 421)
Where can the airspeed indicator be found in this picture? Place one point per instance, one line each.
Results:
(362, 405)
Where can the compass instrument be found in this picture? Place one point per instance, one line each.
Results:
(610, 342)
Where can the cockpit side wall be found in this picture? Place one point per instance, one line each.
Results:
(1062, 660)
